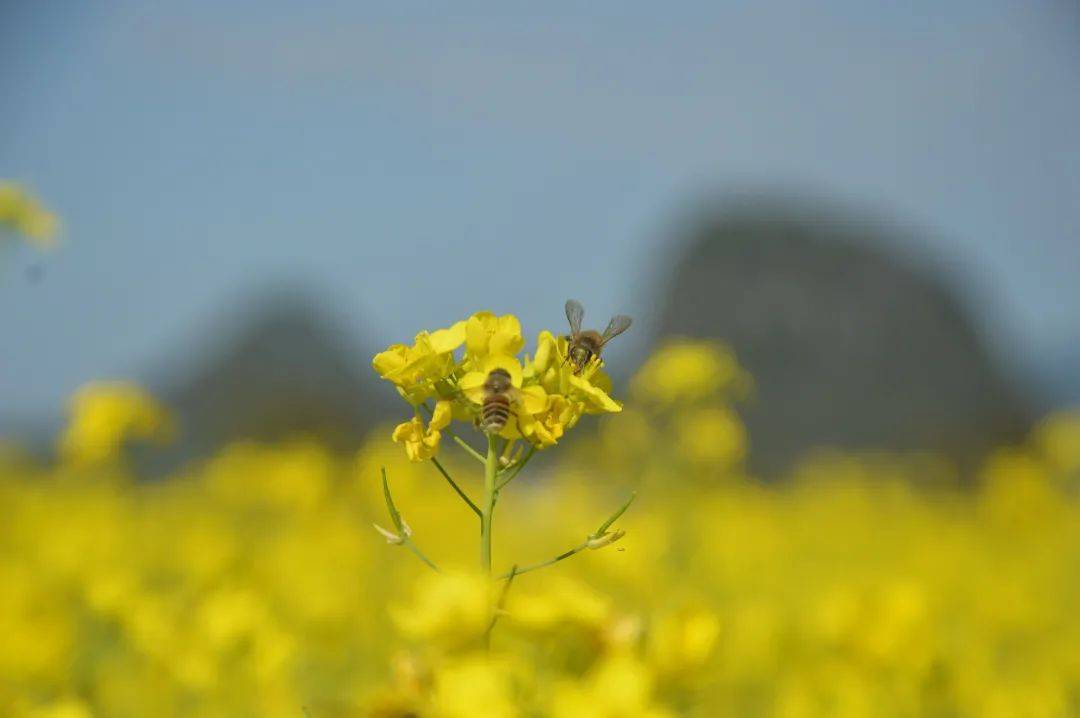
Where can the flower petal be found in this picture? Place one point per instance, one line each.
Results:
(449, 339)
(442, 415)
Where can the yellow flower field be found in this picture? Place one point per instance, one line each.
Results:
(253, 584)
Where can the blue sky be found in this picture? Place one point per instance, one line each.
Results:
(412, 164)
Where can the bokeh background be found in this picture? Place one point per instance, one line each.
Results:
(874, 206)
(233, 175)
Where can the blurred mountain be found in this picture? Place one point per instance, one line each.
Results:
(1060, 379)
(288, 371)
(850, 345)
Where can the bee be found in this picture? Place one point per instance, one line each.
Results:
(584, 345)
(498, 400)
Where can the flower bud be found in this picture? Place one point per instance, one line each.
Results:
(390, 536)
(604, 539)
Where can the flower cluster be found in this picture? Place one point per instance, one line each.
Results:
(450, 366)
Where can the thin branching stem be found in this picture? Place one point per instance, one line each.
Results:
(491, 467)
(614, 517)
(468, 449)
(515, 469)
(591, 541)
(500, 605)
(404, 533)
(453, 484)
(420, 554)
(457, 439)
(544, 564)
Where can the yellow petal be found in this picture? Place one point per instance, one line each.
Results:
(595, 397)
(403, 432)
(507, 337)
(391, 360)
(478, 329)
(449, 339)
(534, 399)
(546, 351)
(442, 415)
(508, 363)
(472, 386)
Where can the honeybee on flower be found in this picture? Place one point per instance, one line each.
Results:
(473, 372)
(585, 345)
(520, 405)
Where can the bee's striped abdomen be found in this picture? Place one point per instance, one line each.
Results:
(494, 413)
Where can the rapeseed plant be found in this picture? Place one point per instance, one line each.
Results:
(472, 373)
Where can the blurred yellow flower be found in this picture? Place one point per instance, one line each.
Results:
(475, 685)
(686, 371)
(1057, 437)
(713, 435)
(558, 602)
(103, 415)
(67, 708)
(451, 610)
(620, 687)
(23, 213)
(681, 643)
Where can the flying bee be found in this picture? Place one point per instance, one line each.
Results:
(584, 345)
(499, 395)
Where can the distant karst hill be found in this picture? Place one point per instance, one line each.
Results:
(849, 346)
(288, 371)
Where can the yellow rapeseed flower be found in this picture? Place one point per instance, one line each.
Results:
(681, 643)
(619, 687)
(558, 603)
(106, 414)
(416, 370)
(548, 398)
(686, 370)
(712, 435)
(487, 334)
(547, 426)
(1058, 439)
(421, 443)
(450, 610)
(475, 685)
(23, 213)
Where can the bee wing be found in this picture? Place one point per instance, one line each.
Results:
(618, 324)
(574, 314)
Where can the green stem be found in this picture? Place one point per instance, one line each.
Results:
(516, 469)
(453, 484)
(500, 606)
(599, 533)
(404, 533)
(545, 564)
(468, 449)
(618, 512)
(491, 469)
(457, 439)
(420, 554)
